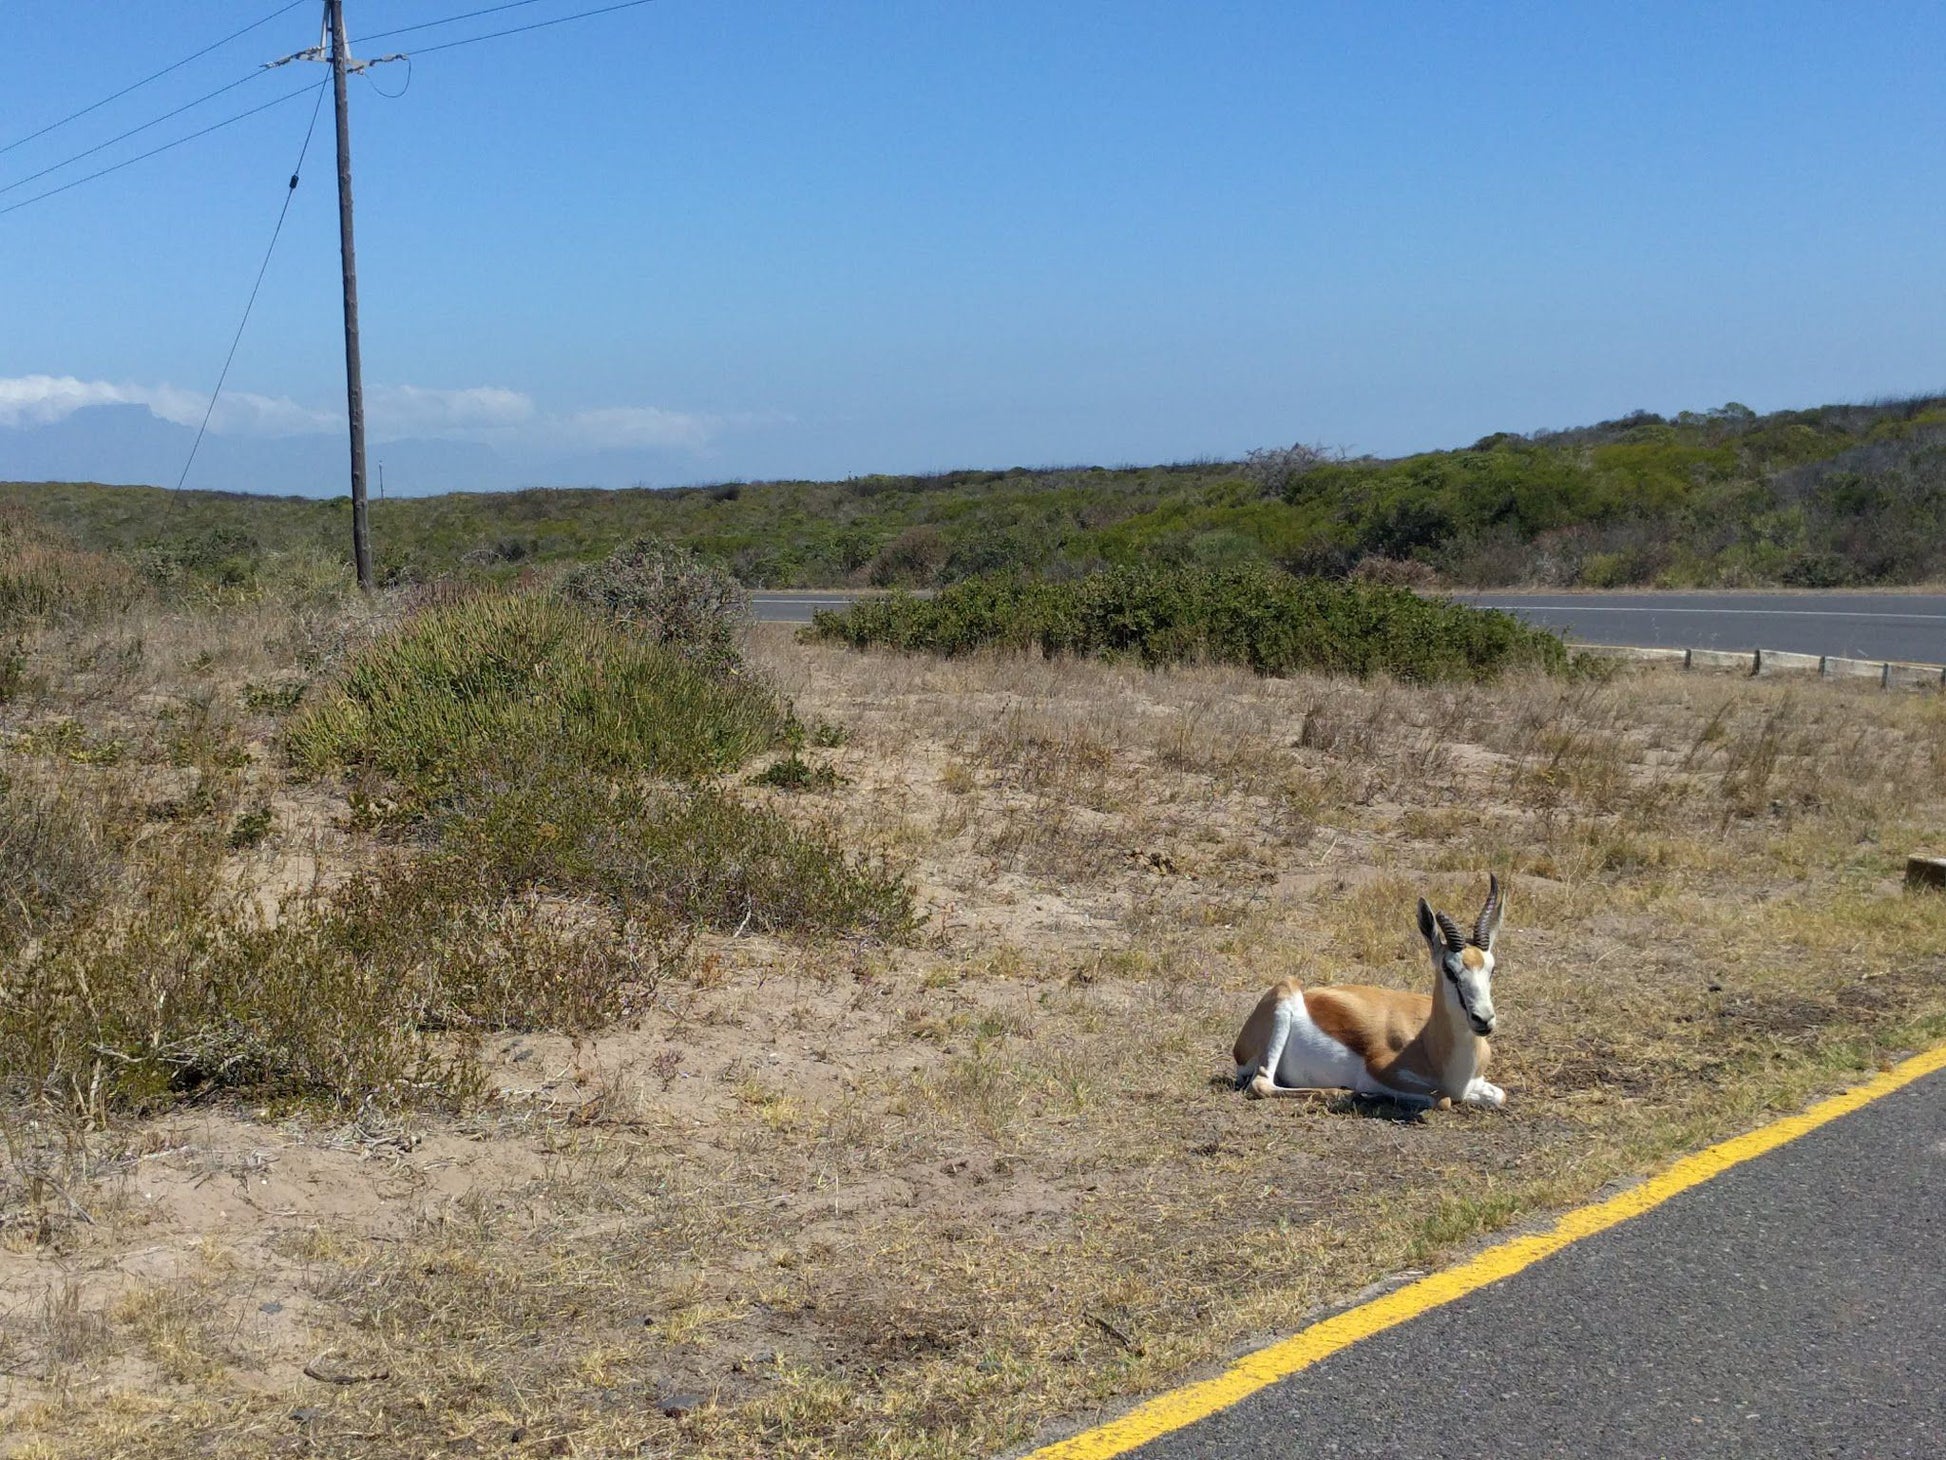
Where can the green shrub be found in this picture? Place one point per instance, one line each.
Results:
(669, 596)
(794, 773)
(696, 856)
(524, 680)
(1273, 623)
(277, 697)
(223, 556)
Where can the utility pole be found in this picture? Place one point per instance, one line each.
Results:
(361, 541)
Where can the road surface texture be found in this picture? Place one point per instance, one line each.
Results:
(776, 606)
(1793, 1306)
(1906, 626)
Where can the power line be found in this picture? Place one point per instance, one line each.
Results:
(366, 72)
(155, 151)
(537, 25)
(251, 303)
(429, 24)
(287, 96)
(123, 137)
(153, 76)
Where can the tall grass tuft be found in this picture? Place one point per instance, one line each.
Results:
(45, 580)
(1271, 622)
(374, 992)
(517, 680)
(55, 860)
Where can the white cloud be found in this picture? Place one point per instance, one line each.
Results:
(490, 414)
(637, 426)
(44, 400)
(41, 400)
(417, 410)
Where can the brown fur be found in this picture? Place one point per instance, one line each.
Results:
(1409, 1043)
(1391, 1030)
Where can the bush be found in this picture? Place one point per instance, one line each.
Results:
(42, 580)
(1273, 470)
(54, 861)
(1273, 623)
(349, 998)
(222, 556)
(546, 901)
(194, 992)
(520, 681)
(669, 596)
(696, 856)
(1395, 572)
(912, 559)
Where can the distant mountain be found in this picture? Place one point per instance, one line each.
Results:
(122, 444)
(126, 445)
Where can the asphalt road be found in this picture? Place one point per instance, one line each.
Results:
(776, 606)
(1793, 1306)
(1908, 626)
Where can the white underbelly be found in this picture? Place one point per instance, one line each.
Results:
(1312, 1057)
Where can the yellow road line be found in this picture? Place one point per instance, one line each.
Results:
(1181, 1407)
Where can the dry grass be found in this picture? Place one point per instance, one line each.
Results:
(826, 1197)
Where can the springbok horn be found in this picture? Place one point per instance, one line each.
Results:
(1485, 923)
(1451, 930)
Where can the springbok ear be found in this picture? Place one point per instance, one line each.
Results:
(1489, 920)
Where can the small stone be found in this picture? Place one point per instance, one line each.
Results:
(675, 1406)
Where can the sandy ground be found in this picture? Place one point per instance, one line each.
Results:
(826, 1197)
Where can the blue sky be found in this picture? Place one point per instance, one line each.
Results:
(707, 239)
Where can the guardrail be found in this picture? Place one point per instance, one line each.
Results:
(1890, 673)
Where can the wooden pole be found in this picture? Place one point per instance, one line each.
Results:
(361, 542)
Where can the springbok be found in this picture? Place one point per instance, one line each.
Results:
(1407, 1047)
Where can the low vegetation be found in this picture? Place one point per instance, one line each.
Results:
(1829, 496)
(535, 771)
(514, 680)
(830, 1057)
(1270, 622)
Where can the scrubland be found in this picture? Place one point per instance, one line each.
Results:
(1831, 496)
(846, 1074)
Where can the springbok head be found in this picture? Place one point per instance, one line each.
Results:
(1466, 961)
